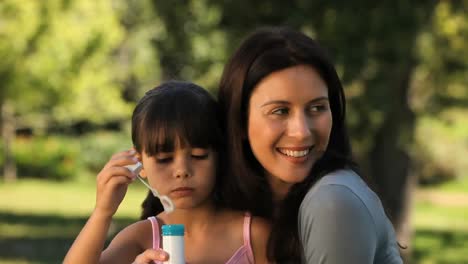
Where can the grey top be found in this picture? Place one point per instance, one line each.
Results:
(341, 220)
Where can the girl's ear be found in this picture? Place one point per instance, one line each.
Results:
(143, 173)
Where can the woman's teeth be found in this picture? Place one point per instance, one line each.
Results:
(295, 153)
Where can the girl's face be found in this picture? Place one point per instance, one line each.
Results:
(186, 175)
(289, 124)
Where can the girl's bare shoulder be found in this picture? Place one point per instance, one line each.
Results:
(139, 232)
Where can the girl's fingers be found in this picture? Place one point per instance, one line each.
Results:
(118, 180)
(109, 173)
(150, 255)
(129, 152)
(122, 159)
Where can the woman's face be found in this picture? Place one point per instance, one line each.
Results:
(289, 124)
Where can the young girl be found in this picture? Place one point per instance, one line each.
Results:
(176, 134)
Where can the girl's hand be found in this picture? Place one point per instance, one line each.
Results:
(150, 255)
(113, 181)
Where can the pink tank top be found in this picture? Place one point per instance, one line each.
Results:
(243, 255)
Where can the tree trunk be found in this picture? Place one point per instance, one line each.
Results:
(390, 162)
(8, 136)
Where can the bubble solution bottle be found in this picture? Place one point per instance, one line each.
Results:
(173, 243)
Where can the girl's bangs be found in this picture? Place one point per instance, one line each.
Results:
(164, 131)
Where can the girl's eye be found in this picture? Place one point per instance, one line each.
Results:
(280, 111)
(164, 160)
(200, 157)
(200, 153)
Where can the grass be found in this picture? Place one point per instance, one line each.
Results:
(459, 185)
(70, 198)
(441, 221)
(40, 219)
(441, 233)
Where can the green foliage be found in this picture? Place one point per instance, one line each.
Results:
(97, 148)
(191, 45)
(1, 155)
(59, 61)
(47, 157)
(439, 94)
(440, 78)
(138, 68)
(66, 157)
(441, 146)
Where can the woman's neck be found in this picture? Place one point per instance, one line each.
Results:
(279, 189)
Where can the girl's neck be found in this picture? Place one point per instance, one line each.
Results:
(198, 218)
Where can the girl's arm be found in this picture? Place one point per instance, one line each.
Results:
(260, 234)
(112, 183)
(88, 246)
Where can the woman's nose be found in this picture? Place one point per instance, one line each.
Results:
(300, 126)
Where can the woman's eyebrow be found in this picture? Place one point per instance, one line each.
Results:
(318, 99)
(321, 98)
(274, 102)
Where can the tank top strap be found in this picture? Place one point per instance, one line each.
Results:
(246, 231)
(155, 227)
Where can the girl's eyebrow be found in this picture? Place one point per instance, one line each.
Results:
(321, 98)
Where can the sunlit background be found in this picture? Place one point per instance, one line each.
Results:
(71, 72)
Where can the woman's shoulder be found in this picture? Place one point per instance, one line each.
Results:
(344, 185)
(343, 177)
(344, 195)
(341, 217)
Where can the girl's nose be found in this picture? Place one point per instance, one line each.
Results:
(182, 168)
(181, 173)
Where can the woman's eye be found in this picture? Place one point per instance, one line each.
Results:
(318, 108)
(280, 111)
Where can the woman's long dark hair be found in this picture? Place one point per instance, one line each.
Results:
(266, 51)
(181, 112)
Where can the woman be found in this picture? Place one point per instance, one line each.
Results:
(289, 154)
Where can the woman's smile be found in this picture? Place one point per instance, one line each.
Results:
(289, 122)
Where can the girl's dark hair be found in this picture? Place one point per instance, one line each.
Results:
(265, 51)
(176, 112)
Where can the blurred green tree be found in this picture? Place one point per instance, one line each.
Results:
(57, 64)
(191, 45)
(439, 94)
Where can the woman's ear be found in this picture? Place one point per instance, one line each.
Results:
(245, 126)
(244, 134)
